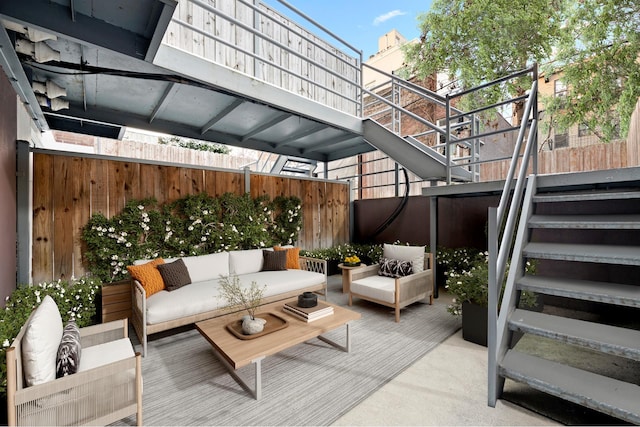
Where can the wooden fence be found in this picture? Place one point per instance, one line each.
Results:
(613, 155)
(68, 189)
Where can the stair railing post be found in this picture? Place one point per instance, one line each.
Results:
(492, 321)
(447, 137)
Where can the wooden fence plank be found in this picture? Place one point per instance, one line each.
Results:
(63, 218)
(42, 218)
(81, 211)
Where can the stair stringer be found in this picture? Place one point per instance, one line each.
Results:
(421, 160)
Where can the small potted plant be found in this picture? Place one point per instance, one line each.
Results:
(247, 298)
(351, 261)
(470, 290)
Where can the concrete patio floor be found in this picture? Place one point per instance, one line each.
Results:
(448, 386)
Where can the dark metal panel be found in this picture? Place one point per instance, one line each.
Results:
(100, 30)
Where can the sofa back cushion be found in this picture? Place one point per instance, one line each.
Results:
(40, 343)
(245, 261)
(207, 267)
(414, 254)
(175, 274)
(148, 276)
(293, 256)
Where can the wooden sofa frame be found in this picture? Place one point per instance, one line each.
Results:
(93, 396)
(408, 289)
(139, 304)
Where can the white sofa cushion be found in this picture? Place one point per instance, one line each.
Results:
(245, 261)
(198, 297)
(103, 354)
(40, 343)
(278, 282)
(207, 267)
(415, 254)
(378, 287)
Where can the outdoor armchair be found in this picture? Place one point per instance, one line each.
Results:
(106, 388)
(395, 292)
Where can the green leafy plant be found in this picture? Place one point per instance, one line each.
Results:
(471, 284)
(247, 298)
(76, 301)
(193, 225)
(193, 144)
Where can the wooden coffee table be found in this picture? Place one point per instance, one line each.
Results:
(235, 353)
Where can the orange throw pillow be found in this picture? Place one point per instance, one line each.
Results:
(148, 276)
(293, 257)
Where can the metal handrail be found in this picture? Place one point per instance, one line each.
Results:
(351, 79)
(498, 254)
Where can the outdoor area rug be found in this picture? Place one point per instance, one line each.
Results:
(309, 384)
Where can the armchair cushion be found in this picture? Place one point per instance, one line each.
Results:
(69, 351)
(394, 268)
(414, 254)
(105, 353)
(376, 287)
(40, 343)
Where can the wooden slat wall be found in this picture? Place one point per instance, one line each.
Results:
(613, 155)
(67, 190)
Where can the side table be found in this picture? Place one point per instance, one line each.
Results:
(346, 275)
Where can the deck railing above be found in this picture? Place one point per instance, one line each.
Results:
(255, 39)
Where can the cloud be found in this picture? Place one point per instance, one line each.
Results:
(386, 16)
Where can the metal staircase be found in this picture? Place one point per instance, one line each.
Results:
(584, 238)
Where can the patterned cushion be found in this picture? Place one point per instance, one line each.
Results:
(68, 359)
(415, 254)
(293, 257)
(394, 268)
(148, 276)
(274, 260)
(174, 274)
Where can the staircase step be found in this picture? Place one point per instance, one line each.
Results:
(605, 292)
(607, 395)
(608, 254)
(576, 196)
(615, 222)
(604, 338)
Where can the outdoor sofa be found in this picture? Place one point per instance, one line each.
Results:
(198, 297)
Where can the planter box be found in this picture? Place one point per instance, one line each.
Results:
(474, 323)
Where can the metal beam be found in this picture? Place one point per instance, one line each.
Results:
(301, 134)
(171, 90)
(55, 18)
(12, 67)
(123, 118)
(168, 7)
(221, 115)
(256, 130)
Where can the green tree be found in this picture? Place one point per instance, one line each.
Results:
(598, 56)
(477, 41)
(193, 144)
